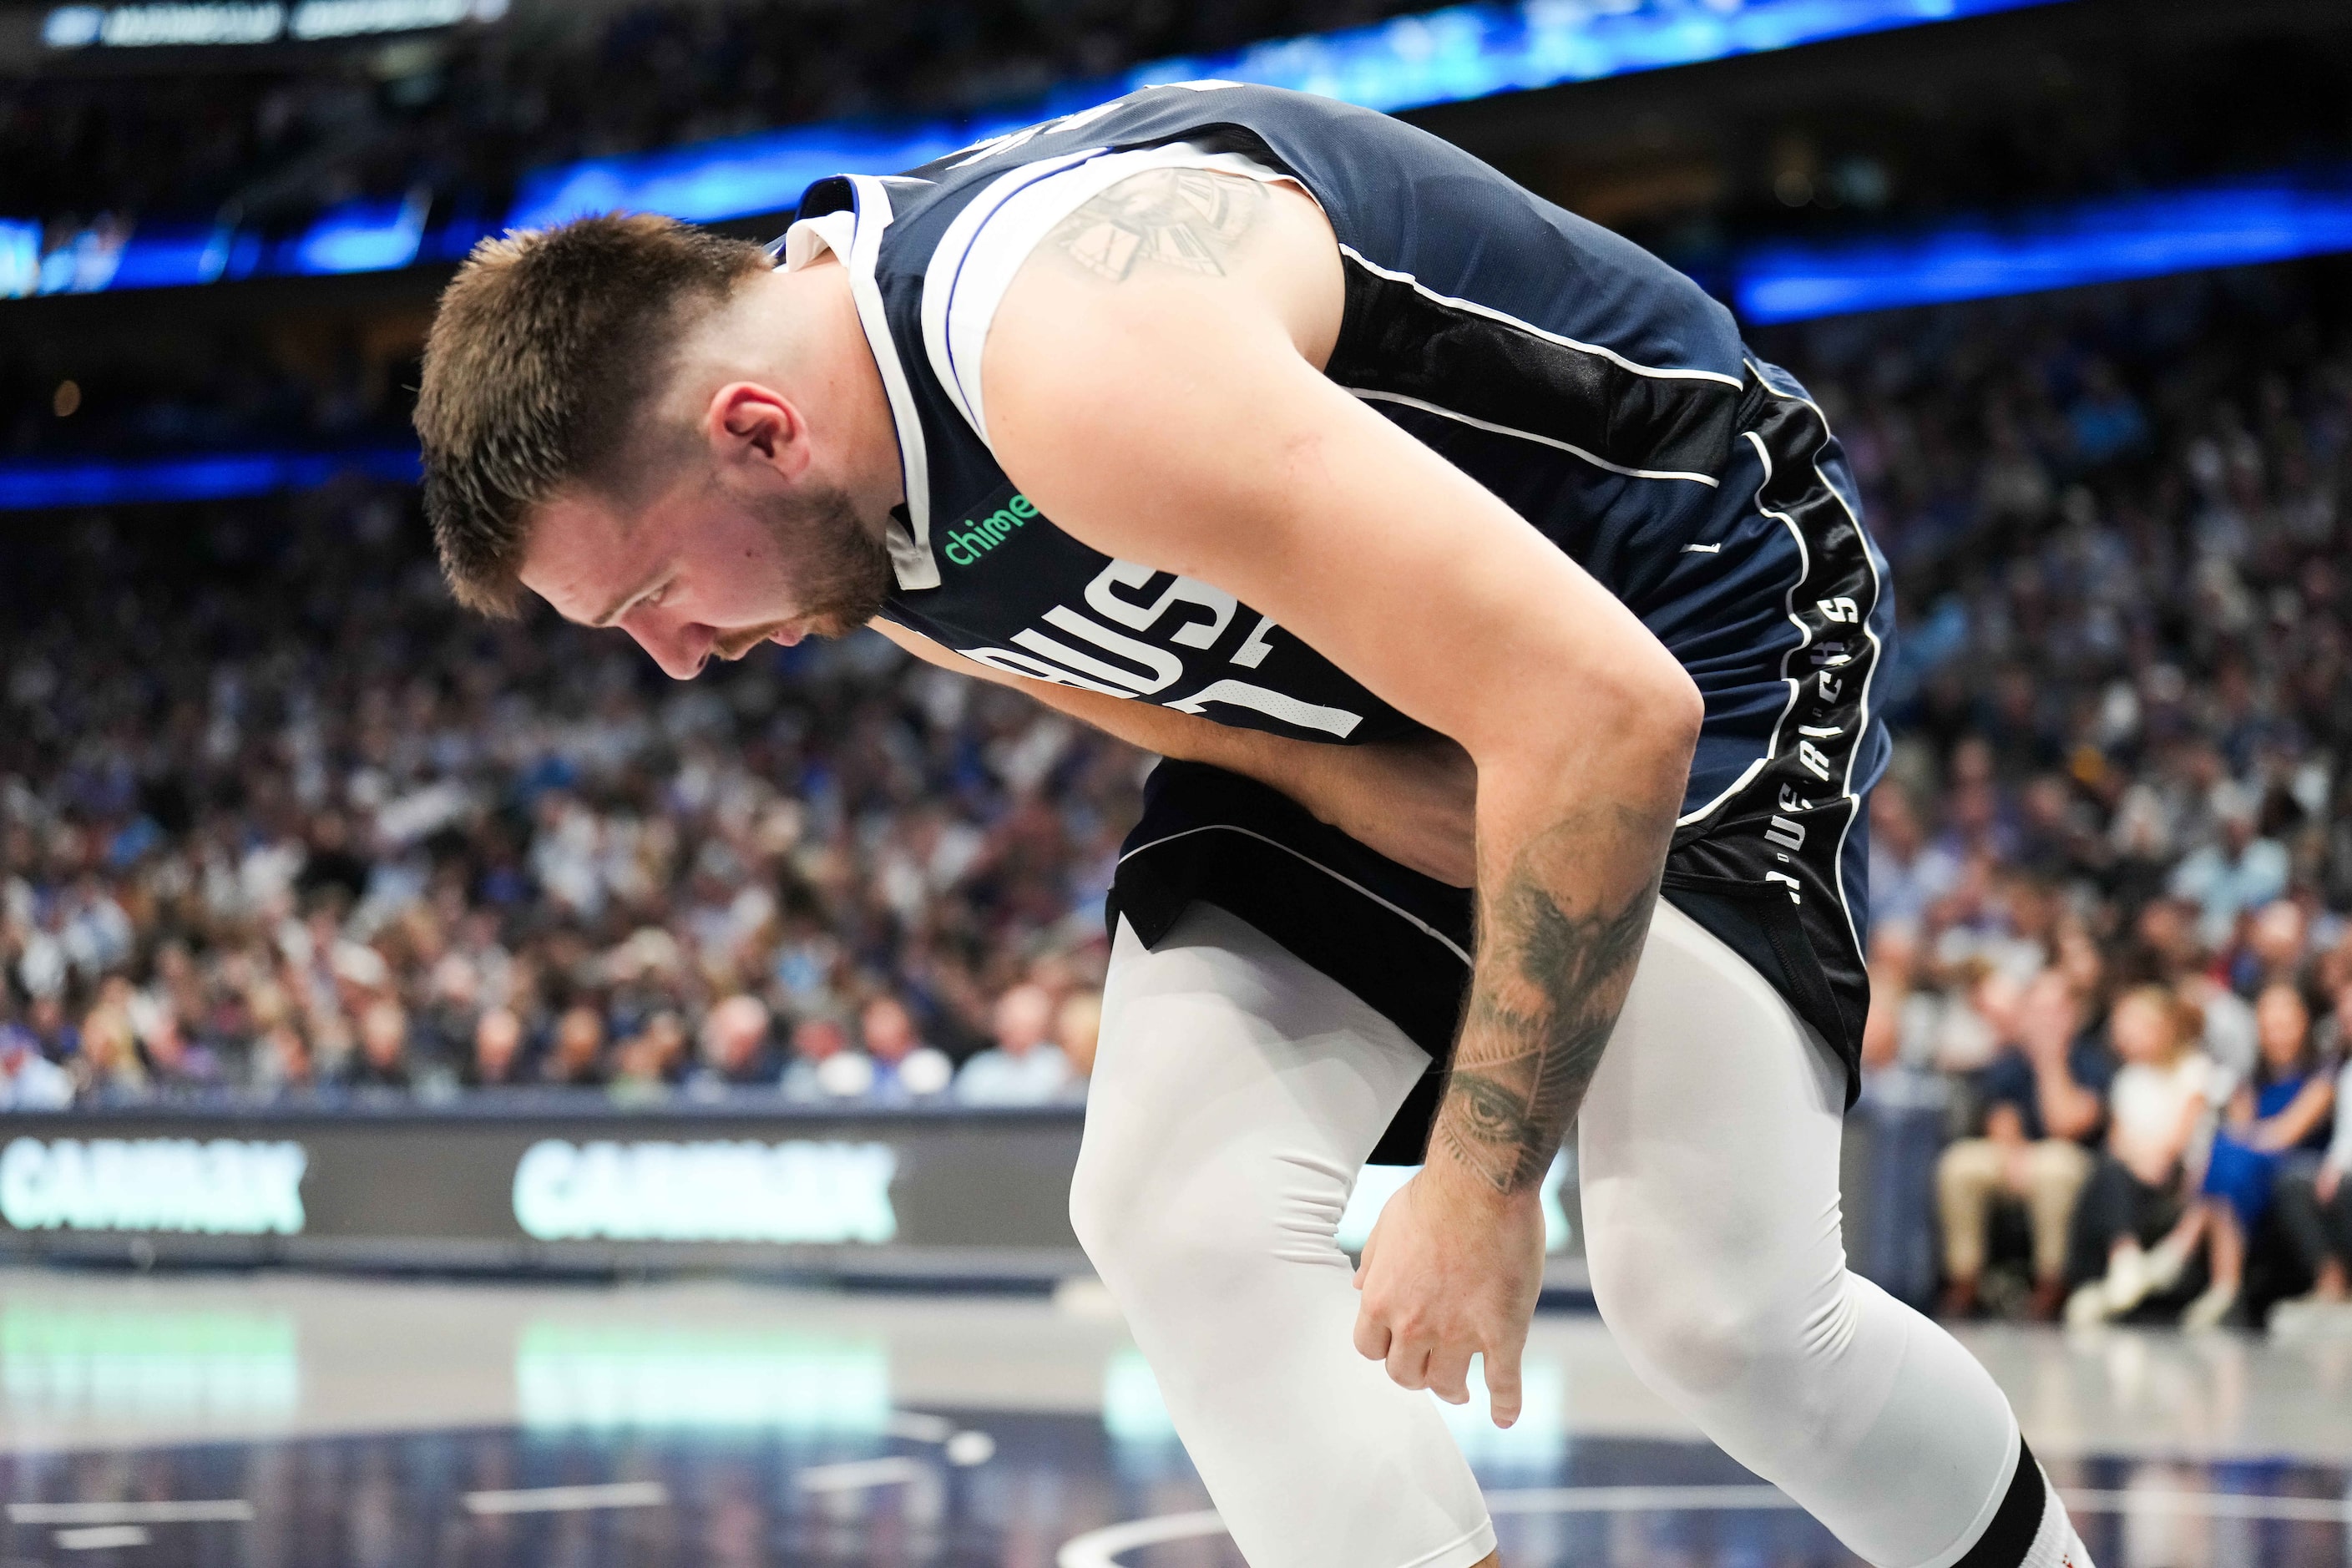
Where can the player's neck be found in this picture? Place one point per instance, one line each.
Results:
(814, 319)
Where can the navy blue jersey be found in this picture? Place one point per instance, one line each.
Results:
(1603, 396)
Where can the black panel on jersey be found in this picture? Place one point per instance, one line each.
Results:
(1395, 938)
(1399, 340)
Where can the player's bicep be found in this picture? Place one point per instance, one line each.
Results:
(1171, 419)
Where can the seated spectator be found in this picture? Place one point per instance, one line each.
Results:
(2282, 1108)
(382, 1060)
(577, 1060)
(2241, 870)
(824, 1067)
(2043, 1106)
(29, 1081)
(654, 1059)
(1077, 1029)
(1023, 1068)
(109, 1067)
(282, 1062)
(2316, 1211)
(739, 1047)
(497, 1058)
(904, 1069)
(2134, 1198)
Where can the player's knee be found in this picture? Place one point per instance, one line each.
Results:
(1209, 1228)
(1700, 1325)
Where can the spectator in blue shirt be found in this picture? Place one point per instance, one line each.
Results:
(2044, 1104)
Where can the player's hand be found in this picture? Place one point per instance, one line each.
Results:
(1416, 802)
(1451, 1270)
(2330, 1178)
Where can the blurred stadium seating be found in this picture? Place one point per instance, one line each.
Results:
(276, 822)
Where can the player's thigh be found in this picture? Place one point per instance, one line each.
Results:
(1714, 1105)
(1708, 1166)
(1235, 1088)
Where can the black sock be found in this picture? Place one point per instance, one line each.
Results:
(2015, 1522)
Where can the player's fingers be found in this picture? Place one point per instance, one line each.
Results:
(1409, 1364)
(1503, 1382)
(1449, 1376)
(1372, 1335)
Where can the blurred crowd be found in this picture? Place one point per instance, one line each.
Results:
(462, 113)
(276, 820)
(2112, 865)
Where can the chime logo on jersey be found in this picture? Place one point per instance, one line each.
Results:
(977, 536)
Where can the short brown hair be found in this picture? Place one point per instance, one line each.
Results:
(546, 344)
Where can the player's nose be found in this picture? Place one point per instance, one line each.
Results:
(681, 649)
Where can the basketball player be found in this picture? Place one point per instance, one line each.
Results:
(1439, 538)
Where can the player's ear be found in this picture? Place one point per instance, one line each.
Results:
(754, 425)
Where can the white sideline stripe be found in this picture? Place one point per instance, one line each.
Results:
(102, 1538)
(226, 1510)
(917, 1427)
(858, 1475)
(2212, 1505)
(570, 1500)
(1635, 1500)
(1570, 448)
(1100, 1548)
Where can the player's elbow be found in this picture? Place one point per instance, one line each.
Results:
(1674, 710)
(1649, 705)
(1636, 721)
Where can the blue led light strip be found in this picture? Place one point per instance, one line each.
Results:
(1440, 57)
(33, 485)
(2240, 224)
(2246, 223)
(1411, 62)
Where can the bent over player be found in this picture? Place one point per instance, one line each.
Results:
(1293, 444)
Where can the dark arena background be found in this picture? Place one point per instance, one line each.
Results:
(466, 1099)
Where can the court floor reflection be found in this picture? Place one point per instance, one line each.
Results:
(1001, 1490)
(304, 1422)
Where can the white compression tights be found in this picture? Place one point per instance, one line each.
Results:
(1235, 1095)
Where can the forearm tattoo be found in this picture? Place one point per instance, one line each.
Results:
(1186, 219)
(1548, 989)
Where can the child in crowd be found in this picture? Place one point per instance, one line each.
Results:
(2135, 1194)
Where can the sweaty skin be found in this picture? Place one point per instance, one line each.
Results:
(1153, 384)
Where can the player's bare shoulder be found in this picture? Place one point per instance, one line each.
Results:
(1251, 244)
(1192, 220)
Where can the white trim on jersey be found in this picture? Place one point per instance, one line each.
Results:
(1403, 914)
(1574, 452)
(986, 244)
(1492, 314)
(857, 238)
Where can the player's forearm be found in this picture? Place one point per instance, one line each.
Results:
(1409, 800)
(1571, 845)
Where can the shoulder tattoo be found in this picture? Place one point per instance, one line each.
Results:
(1184, 218)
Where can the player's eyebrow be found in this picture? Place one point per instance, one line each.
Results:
(620, 604)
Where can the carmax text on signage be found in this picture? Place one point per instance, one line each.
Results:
(224, 1187)
(730, 1191)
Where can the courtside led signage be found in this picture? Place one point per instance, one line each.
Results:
(215, 22)
(746, 1192)
(224, 1187)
